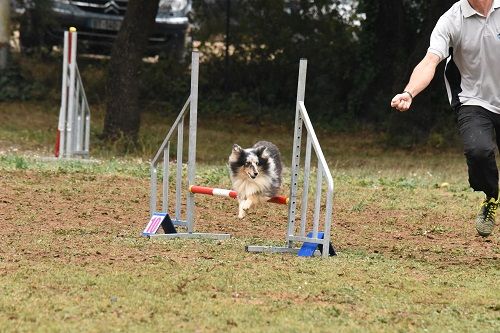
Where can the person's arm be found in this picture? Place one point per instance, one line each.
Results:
(419, 80)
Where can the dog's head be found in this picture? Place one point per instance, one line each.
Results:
(251, 161)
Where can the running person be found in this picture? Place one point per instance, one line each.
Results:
(468, 36)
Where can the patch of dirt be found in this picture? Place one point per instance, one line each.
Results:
(391, 233)
(78, 217)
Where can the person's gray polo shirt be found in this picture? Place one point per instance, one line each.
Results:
(473, 70)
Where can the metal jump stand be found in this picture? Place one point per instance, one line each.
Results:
(73, 130)
(294, 233)
(164, 150)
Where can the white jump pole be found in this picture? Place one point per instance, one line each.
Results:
(61, 126)
(71, 91)
(63, 141)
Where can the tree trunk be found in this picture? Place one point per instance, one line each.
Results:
(4, 32)
(122, 87)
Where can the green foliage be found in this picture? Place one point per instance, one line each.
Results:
(13, 161)
(387, 55)
(213, 176)
(166, 82)
(16, 85)
(33, 25)
(130, 168)
(20, 163)
(267, 39)
(357, 61)
(93, 72)
(353, 69)
(12, 85)
(33, 77)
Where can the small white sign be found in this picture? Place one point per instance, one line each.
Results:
(153, 224)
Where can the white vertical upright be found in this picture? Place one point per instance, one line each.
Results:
(71, 92)
(61, 127)
(297, 139)
(77, 121)
(193, 119)
(305, 190)
(178, 182)
(153, 184)
(166, 175)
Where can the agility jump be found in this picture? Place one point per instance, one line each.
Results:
(73, 129)
(311, 240)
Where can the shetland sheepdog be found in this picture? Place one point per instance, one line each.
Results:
(255, 174)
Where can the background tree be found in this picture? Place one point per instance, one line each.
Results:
(394, 38)
(4, 32)
(33, 24)
(385, 38)
(122, 86)
(267, 40)
(431, 119)
(358, 60)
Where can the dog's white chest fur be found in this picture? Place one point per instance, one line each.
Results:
(248, 187)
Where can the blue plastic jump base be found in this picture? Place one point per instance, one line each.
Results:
(308, 249)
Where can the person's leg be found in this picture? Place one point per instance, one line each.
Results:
(477, 129)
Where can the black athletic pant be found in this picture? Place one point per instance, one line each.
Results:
(479, 128)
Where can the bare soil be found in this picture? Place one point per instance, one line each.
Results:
(77, 218)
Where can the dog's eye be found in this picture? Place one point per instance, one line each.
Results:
(247, 164)
(258, 163)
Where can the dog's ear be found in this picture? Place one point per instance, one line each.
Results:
(235, 153)
(236, 149)
(262, 151)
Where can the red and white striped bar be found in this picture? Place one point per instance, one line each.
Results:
(229, 193)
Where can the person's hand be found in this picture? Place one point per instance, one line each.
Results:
(402, 102)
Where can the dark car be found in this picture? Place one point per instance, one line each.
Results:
(97, 23)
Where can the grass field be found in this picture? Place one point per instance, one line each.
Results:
(72, 258)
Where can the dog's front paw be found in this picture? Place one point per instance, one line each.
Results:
(241, 209)
(245, 205)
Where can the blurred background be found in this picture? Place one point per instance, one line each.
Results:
(360, 53)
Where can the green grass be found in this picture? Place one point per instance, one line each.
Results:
(221, 288)
(72, 259)
(137, 168)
